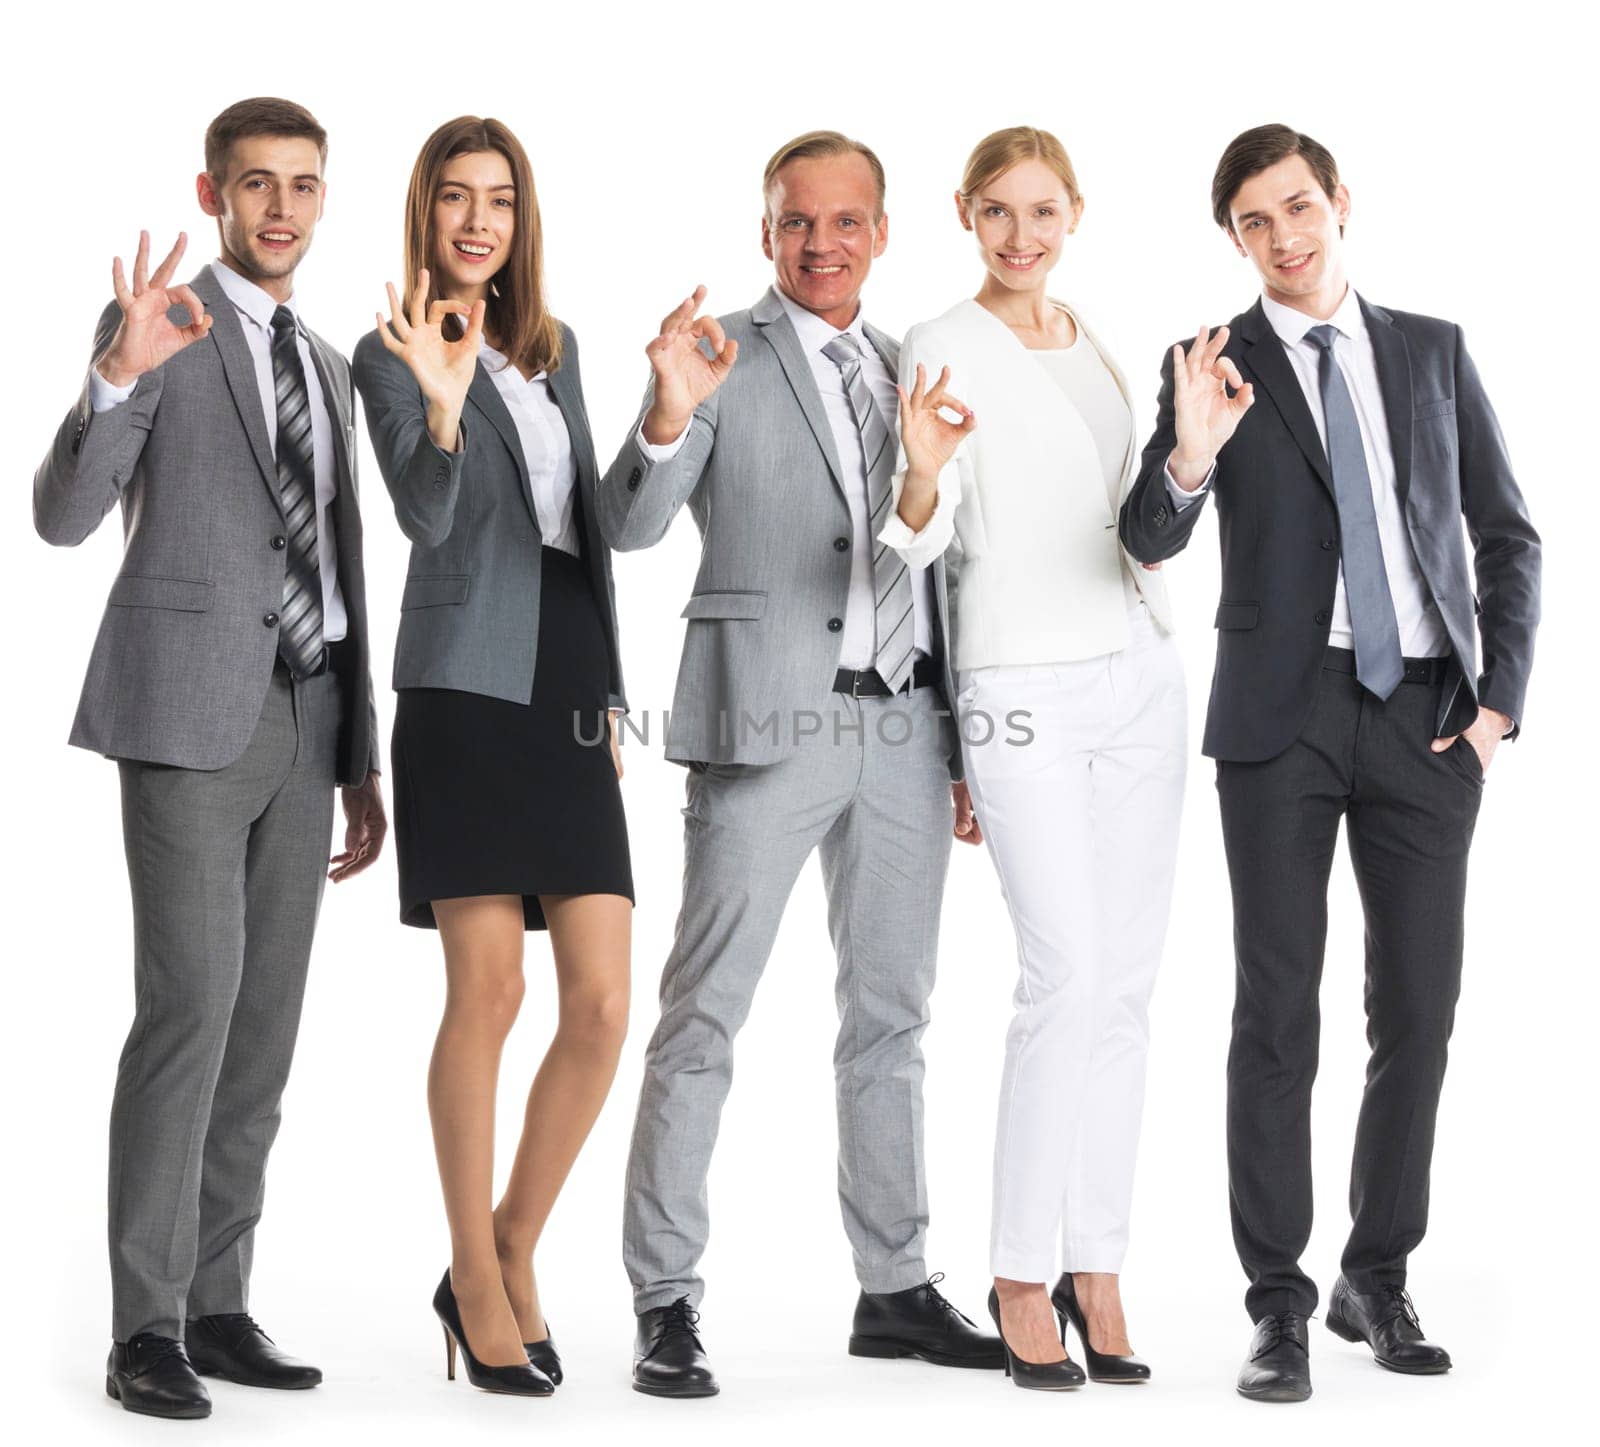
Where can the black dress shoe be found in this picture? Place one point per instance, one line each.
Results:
(231, 1345)
(1278, 1368)
(544, 1356)
(1103, 1367)
(1387, 1322)
(515, 1380)
(919, 1322)
(1060, 1376)
(153, 1375)
(669, 1359)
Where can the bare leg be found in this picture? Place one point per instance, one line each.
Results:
(1027, 1320)
(482, 939)
(590, 935)
(1099, 1295)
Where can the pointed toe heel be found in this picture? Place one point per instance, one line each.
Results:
(1062, 1376)
(524, 1380)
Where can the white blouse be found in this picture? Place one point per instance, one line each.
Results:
(546, 448)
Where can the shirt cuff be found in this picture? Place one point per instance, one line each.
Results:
(921, 547)
(1180, 497)
(662, 451)
(103, 396)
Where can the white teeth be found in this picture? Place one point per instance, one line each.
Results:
(473, 250)
(824, 270)
(276, 236)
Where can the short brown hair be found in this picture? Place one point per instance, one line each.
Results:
(815, 144)
(999, 151)
(1253, 151)
(261, 115)
(516, 317)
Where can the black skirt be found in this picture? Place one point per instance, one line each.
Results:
(515, 798)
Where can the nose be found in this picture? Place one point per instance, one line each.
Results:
(279, 203)
(478, 214)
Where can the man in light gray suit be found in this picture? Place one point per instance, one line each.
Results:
(230, 682)
(810, 710)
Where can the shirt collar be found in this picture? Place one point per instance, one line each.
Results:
(248, 297)
(1292, 326)
(498, 362)
(814, 333)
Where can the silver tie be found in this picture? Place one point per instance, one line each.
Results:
(892, 617)
(300, 625)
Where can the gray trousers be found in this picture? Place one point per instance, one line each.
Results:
(226, 869)
(879, 810)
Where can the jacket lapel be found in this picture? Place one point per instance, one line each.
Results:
(485, 396)
(339, 402)
(239, 369)
(1393, 357)
(779, 333)
(1269, 366)
(569, 401)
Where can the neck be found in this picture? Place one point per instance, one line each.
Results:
(839, 317)
(1321, 303)
(279, 288)
(1030, 310)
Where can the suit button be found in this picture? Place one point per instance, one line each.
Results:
(1161, 516)
(835, 624)
(1327, 545)
(1322, 617)
(278, 542)
(841, 545)
(271, 620)
(633, 479)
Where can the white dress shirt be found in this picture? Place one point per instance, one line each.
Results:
(255, 309)
(858, 644)
(546, 448)
(1421, 628)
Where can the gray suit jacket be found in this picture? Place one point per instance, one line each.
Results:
(762, 479)
(469, 617)
(183, 659)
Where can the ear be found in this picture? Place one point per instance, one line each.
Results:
(962, 214)
(766, 237)
(1077, 214)
(206, 191)
(880, 235)
(1341, 204)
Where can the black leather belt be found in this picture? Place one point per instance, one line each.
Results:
(1418, 670)
(868, 683)
(336, 658)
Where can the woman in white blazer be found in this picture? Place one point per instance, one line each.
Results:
(1080, 804)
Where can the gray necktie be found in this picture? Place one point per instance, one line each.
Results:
(300, 622)
(1379, 667)
(896, 629)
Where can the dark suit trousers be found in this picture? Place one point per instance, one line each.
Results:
(1409, 815)
(226, 868)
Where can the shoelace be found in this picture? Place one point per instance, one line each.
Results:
(937, 1299)
(680, 1316)
(236, 1325)
(150, 1348)
(1401, 1306)
(1281, 1328)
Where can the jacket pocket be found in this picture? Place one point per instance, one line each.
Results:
(434, 590)
(186, 595)
(731, 603)
(1444, 407)
(1237, 615)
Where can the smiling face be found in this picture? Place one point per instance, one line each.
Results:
(267, 205)
(474, 220)
(1290, 228)
(1020, 219)
(821, 232)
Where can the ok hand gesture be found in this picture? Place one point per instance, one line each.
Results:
(684, 375)
(1204, 415)
(146, 336)
(930, 440)
(443, 369)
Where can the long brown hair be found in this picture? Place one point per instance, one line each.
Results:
(516, 318)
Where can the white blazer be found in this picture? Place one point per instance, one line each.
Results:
(1034, 563)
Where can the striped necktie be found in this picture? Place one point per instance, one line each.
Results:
(300, 622)
(895, 626)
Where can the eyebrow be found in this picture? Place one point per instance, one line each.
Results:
(273, 175)
(996, 201)
(1299, 195)
(467, 185)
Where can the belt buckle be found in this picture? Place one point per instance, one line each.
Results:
(855, 682)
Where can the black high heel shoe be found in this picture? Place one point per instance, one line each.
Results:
(544, 1356)
(1102, 1366)
(525, 1380)
(1060, 1376)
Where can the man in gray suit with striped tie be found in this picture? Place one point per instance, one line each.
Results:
(230, 682)
(811, 713)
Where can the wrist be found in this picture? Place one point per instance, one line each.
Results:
(1187, 471)
(661, 427)
(921, 481)
(116, 372)
(444, 426)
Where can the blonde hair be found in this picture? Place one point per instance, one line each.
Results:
(815, 144)
(997, 153)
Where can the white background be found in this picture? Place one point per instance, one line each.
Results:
(1467, 140)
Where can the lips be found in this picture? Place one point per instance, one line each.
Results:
(277, 240)
(822, 270)
(1296, 264)
(1020, 262)
(472, 250)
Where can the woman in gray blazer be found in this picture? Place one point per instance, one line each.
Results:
(508, 811)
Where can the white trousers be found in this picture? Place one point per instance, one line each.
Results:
(1082, 823)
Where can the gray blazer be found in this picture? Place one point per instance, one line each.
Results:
(469, 617)
(184, 656)
(762, 479)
